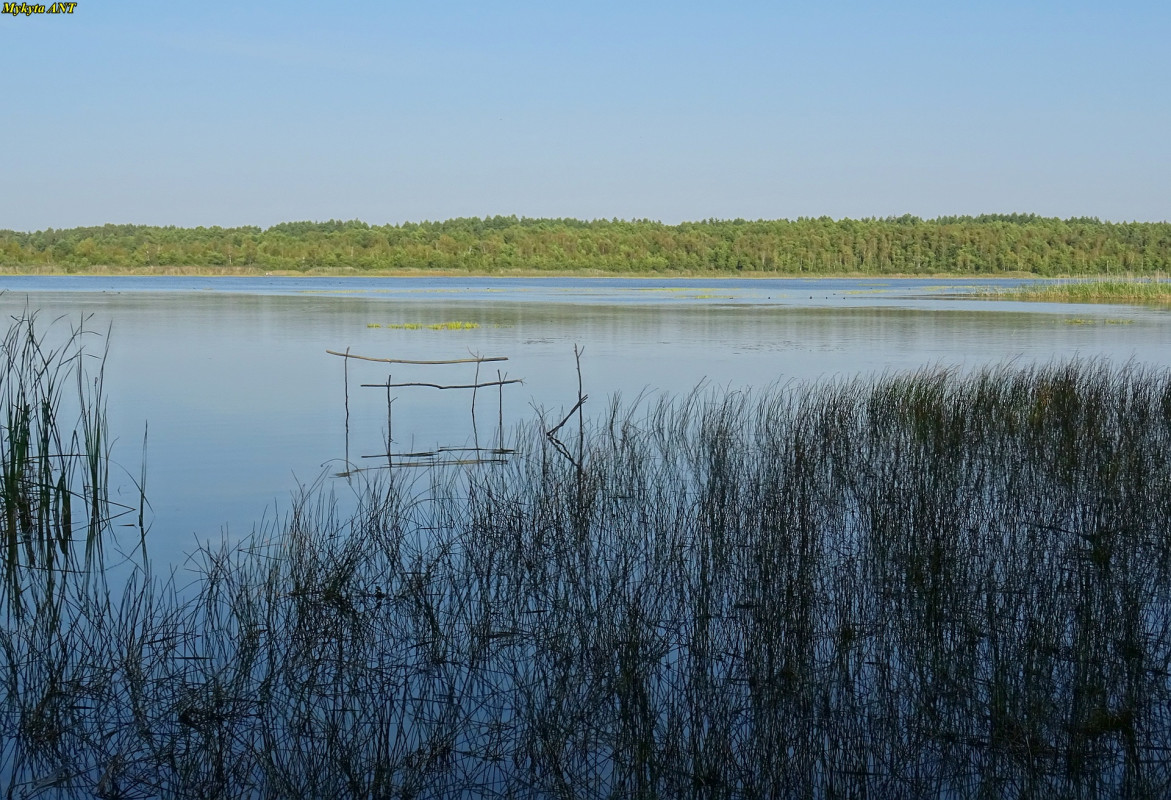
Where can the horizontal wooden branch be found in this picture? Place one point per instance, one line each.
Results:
(429, 463)
(477, 360)
(437, 386)
(435, 453)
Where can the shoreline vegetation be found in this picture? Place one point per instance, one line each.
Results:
(1141, 291)
(933, 584)
(1000, 245)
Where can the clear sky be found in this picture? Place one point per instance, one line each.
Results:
(230, 113)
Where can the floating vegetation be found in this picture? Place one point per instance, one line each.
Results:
(418, 326)
(1081, 321)
(925, 585)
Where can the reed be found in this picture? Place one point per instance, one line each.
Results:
(1094, 290)
(55, 510)
(923, 585)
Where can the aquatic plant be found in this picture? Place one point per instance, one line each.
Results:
(923, 585)
(435, 326)
(1097, 290)
(55, 508)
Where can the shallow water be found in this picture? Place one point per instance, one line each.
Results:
(243, 403)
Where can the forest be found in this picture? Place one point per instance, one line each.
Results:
(990, 244)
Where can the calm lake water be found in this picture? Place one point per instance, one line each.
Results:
(243, 402)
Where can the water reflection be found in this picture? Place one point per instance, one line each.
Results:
(929, 587)
(243, 402)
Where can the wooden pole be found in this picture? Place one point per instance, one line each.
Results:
(476, 383)
(346, 379)
(500, 409)
(390, 436)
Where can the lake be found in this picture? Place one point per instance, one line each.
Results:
(244, 404)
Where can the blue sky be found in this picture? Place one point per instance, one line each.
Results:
(251, 114)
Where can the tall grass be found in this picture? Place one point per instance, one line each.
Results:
(925, 585)
(55, 507)
(1096, 290)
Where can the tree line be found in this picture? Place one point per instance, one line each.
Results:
(986, 244)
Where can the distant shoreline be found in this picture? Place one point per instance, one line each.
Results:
(998, 245)
(325, 272)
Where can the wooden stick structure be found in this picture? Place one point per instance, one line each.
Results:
(430, 458)
(551, 434)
